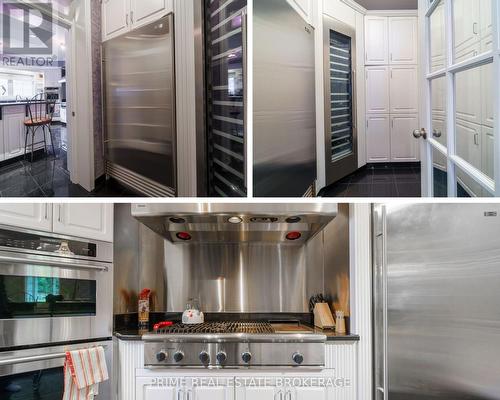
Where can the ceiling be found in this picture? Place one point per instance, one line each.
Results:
(389, 4)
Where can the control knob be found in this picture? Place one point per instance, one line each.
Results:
(178, 356)
(221, 357)
(204, 357)
(246, 357)
(161, 356)
(298, 358)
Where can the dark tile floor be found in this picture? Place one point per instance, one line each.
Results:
(379, 180)
(48, 177)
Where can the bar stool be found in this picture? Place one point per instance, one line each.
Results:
(40, 110)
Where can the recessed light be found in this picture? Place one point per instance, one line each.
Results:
(235, 220)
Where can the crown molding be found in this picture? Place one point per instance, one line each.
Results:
(355, 6)
(393, 13)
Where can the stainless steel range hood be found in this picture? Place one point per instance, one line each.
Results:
(235, 223)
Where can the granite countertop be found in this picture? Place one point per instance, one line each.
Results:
(12, 103)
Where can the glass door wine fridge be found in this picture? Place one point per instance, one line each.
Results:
(225, 50)
(340, 100)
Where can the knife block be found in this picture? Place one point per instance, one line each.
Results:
(323, 317)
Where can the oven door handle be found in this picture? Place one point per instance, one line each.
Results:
(38, 358)
(25, 360)
(50, 263)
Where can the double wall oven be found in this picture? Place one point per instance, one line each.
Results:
(55, 296)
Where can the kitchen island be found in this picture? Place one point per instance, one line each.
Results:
(13, 131)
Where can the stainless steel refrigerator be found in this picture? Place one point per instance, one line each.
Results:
(437, 301)
(284, 131)
(139, 104)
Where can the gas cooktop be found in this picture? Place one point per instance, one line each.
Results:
(232, 345)
(218, 327)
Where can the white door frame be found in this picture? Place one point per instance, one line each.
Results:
(81, 112)
(492, 187)
(80, 126)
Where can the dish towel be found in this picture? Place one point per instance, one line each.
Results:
(83, 371)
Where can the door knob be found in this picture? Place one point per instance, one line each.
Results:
(436, 133)
(420, 133)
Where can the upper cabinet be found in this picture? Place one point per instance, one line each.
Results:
(90, 220)
(115, 18)
(30, 216)
(391, 40)
(304, 8)
(120, 16)
(403, 40)
(376, 40)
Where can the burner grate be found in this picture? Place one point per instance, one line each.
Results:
(219, 327)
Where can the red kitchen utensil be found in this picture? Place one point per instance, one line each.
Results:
(161, 325)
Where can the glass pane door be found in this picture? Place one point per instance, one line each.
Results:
(462, 67)
(47, 384)
(225, 51)
(341, 96)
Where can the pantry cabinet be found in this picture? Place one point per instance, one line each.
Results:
(377, 90)
(27, 215)
(376, 40)
(378, 139)
(404, 90)
(392, 89)
(121, 16)
(403, 40)
(391, 40)
(404, 147)
(90, 221)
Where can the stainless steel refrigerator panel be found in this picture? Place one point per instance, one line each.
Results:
(284, 101)
(442, 299)
(139, 72)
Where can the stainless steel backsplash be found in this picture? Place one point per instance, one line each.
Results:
(252, 277)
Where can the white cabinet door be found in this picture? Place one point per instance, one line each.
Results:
(304, 8)
(403, 40)
(211, 393)
(27, 215)
(143, 12)
(91, 220)
(404, 147)
(376, 40)
(257, 393)
(115, 17)
(487, 100)
(14, 133)
(469, 146)
(378, 138)
(466, 28)
(307, 393)
(485, 10)
(404, 90)
(377, 90)
(148, 389)
(469, 96)
(487, 151)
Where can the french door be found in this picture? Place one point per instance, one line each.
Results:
(460, 98)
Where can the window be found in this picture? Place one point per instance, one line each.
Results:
(18, 83)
